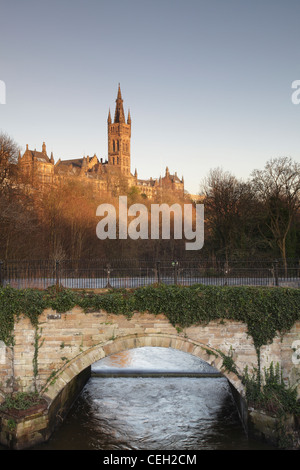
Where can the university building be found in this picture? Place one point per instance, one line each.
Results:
(105, 175)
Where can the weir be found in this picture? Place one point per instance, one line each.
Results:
(154, 373)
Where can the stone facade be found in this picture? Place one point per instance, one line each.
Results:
(69, 343)
(72, 341)
(6, 370)
(105, 175)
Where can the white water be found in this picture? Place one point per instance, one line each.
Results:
(162, 413)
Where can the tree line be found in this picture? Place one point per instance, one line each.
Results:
(254, 219)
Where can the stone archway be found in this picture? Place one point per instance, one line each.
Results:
(57, 357)
(84, 360)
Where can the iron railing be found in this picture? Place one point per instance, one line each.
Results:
(130, 273)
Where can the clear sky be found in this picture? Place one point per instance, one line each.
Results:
(208, 82)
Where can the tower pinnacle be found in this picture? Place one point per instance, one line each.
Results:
(119, 112)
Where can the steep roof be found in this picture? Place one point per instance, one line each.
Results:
(74, 162)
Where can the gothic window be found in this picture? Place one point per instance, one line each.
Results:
(114, 146)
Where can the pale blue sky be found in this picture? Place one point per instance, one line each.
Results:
(208, 82)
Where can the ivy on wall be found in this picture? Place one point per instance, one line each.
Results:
(265, 311)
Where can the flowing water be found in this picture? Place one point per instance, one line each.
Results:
(153, 413)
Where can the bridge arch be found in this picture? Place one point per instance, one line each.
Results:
(56, 357)
(120, 344)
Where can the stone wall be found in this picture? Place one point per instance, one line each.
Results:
(6, 370)
(66, 345)
(72, 341)
(23, 429)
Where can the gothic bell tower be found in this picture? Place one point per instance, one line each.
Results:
(119, 134)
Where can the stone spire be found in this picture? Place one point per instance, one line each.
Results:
(109, 117)
(129, 118)
(119, 112)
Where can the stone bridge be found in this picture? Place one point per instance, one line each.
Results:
(55, 359)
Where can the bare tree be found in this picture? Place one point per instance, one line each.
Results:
(278, 188)
(17, 217)
(9, 151)
(229, 211)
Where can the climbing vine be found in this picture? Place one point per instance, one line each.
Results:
(273, 395)
(266, 311)
(37, 346)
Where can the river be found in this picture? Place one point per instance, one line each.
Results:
(137, 412)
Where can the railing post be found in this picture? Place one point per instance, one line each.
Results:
(226, 272)
(175, 265)
(276, 272)
(57, 273)
(158, 271)
(108, 286)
